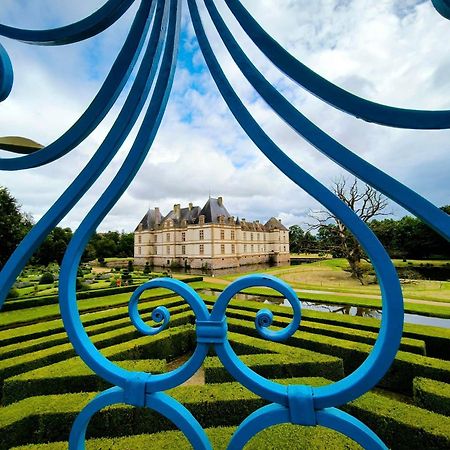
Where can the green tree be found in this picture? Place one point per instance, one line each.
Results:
(53, 247)
(295, 238)
(14, 225)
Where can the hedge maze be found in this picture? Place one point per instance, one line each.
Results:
(44, 384)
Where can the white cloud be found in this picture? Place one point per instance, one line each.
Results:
(387, 51)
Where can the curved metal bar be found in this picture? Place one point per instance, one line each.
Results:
(159, 402)
(6, 74)
(90, 26)
(329, 92)
(181, 417)
(144, 139)
(442, 7)
(263, 319)
(262, 418)
(107, 150)
(386, 346)
(404, 196)
(102, 103)
(333, 418)
(78, 432)
(350, 426)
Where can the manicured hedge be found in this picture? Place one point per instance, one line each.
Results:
(30, 361)
(115, 322)
(71, 377)
(399, 378)
(437, 340)
(432, 395)
(43, 300)
(274, 366)
(290, 437)
(167, 345)
(44, 419)
(407, 344)
(11, 319)
(45, 328)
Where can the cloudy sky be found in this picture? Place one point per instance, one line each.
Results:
(390, 51)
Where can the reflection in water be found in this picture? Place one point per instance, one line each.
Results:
(338, 309)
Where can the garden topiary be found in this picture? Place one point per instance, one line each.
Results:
(47, 278)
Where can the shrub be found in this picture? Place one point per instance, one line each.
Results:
(432, 395)
(130, 266)
(47, 278)
(13, 293)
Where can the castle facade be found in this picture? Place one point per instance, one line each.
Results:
(208, 238)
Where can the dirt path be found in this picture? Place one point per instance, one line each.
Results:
(339, 294)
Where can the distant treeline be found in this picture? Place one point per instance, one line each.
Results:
(407, 237)
(102, 245)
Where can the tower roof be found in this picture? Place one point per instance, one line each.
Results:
(151, 219)
(213, 209)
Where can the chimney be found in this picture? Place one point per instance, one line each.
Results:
(256, 221)
(243, 220)
(220, 201)
(190, 206)
(157, 216)
(177, 211)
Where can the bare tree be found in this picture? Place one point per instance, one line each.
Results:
(367, 203)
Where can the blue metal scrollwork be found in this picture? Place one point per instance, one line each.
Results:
(157, 25)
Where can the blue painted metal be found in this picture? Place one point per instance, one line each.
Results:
(443, 7)
(6, 74)
(298, 404)
(330, 93)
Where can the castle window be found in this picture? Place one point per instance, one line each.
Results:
(245, 247)
(202, 235)
(222, 249)
(232, 234)
(284, 248)
(252, 248)
(202, 249)
(156, 250)
(168, 237)
(251, 236)
(183, 249)
(139, 250)
(139, 239)
(258, 237)
(222, 234)
(168, 250)
(233, 248)
(183, 236)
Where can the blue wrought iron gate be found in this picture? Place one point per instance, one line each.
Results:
(155, 32)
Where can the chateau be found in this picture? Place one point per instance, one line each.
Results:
(208, 238)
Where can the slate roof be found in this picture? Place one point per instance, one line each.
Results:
(190, 215)
(274, 224)
(151, 220)
(213, 209)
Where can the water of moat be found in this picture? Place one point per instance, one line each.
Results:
(339, 309)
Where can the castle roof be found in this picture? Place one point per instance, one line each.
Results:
(274, 224)
(213, 209)
(151, 220)
(177, 215)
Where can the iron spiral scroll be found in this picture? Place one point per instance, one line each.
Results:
(155, 34)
